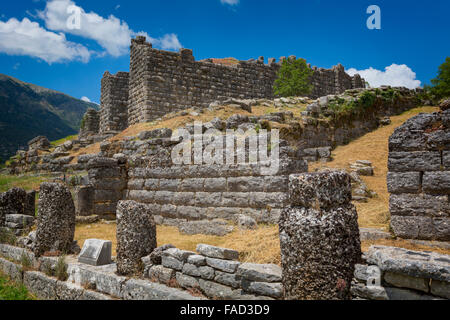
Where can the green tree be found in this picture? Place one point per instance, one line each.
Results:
(293, 79)
(441, 84)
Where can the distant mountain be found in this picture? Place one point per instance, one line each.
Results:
(27, 110)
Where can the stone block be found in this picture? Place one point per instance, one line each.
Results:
(161, 274)
(217, 291)
(409, 227)
(414, 161)
(274, 290)
(259, 272)
(228, 279)
(405, 281)
(320, 189)
(436, 182)
(419, 205)
(172, 263)
(245, 184)
(181, 255)
(418, 264)
(440, 288)
(197, 260)
(96, 252)
(403, 182)
(223, 265)
(215, 184)
(217, 252)
(186, 281)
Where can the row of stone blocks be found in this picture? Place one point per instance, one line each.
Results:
(419, 177)
(399, 274)
(215, 272)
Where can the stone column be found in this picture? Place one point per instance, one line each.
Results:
(56, 219)
(136, 236)
(319, 237)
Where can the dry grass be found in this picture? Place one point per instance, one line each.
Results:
(261, 245)
(258, 246)
(374, 147)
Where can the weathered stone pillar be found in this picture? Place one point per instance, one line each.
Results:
(56, 219)
(136, 236)
(319, 237)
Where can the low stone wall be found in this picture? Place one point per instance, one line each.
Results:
(400, 274)
(215, 272)
(335, 120)
(419, 177)
(103, 282)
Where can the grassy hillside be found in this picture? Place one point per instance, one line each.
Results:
(28, 110)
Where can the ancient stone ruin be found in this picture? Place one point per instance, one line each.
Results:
(90, 125)
(161, 82)
(56, 219)
(17, 210)
(319, 237)
(419, 177)
(136, 236)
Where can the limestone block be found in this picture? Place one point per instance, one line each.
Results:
(320, 189)
(403, 182)
(436, 182)
(217, 252)
(414, 161)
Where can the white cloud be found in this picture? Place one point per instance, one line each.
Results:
(28, 38)
(111, 33)
(86, 99)
(394, 75)
(168, 42)
(230, 2)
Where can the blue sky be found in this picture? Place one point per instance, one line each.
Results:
(36, 45)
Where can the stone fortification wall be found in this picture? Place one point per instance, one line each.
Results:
(419, 177)
(114, 102)
(162, 82)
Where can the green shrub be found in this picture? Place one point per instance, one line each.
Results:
(293, 79)
(26, 262)
(441, 84)
(7, 236)
(10, 290)
(61, 269)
